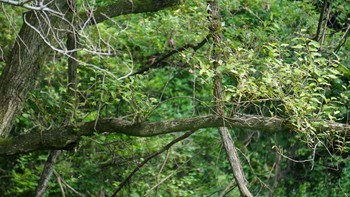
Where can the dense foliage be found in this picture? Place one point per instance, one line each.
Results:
(272, 66)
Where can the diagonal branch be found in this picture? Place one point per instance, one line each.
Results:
(343, 39)
(158, 62)
(46, 173)
(166, 147)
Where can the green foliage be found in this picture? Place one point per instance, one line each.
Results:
(271, 67)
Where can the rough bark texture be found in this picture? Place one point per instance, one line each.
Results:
(231, 151)
(68, 136)
(23, 66)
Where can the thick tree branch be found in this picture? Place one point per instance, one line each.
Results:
(68, 136)
(122, 7)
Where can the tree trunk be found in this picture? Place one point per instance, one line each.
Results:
(23, 65)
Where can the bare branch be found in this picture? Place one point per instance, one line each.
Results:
(36, 7)
(167, 177)
(342, 39)
(324, 30)
(71, 89)
(67, 185)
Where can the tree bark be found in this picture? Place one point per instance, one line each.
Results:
(23, 65)
(66, 137)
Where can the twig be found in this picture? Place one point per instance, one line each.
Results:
(298, 161)
(138, 167)
(343, 39)
(67, 185)
(1, 55)
(58, 178)
(166, 178)
(227, 189)
(30, 7)
(161, 169)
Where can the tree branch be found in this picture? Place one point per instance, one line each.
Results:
(46, 173)
(122, 7)
(166, 147)
(68, 136)
(158, 61)
(324, 30)
(343, 39)
(320, 20)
